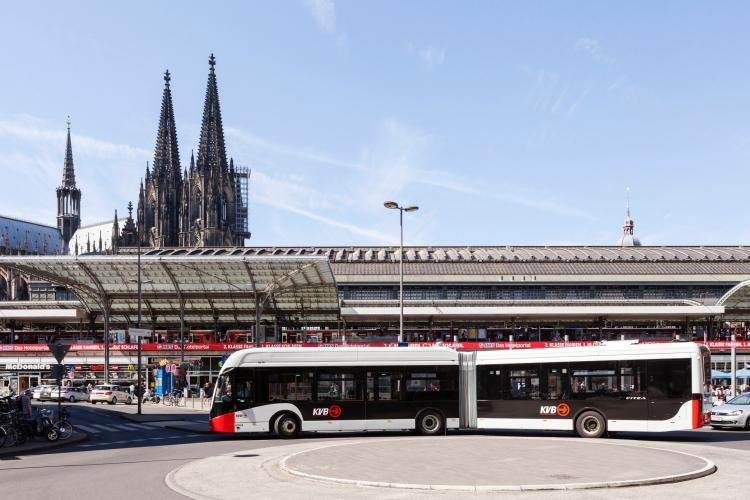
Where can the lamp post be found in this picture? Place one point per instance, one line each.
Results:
(395, 206)
(140, 332)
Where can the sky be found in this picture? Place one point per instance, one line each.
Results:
(507, 123)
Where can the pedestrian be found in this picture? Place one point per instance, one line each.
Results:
(26, 409)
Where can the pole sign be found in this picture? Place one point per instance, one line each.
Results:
(59, 351)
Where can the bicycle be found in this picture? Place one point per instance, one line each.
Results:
(63, 426)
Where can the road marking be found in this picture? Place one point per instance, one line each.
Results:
(87, 445)
(142, 427)
(86, 428)
(102, 427)
(122, 427)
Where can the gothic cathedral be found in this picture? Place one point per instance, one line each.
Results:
(200, 206)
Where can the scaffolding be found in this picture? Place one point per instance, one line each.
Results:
(242, 202)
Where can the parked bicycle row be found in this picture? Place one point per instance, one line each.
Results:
(20, 421)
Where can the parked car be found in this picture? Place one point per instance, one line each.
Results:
(71, 394)
(45, 393)
(111, 394)
(733, 413)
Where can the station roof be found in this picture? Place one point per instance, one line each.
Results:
(737, 302)
(210, 288)
(495, 263)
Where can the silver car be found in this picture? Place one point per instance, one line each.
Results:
(733, 413)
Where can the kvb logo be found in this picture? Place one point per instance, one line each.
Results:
(561, 410)
(332, 411)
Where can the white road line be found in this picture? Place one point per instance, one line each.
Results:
(86, 445)
(156, 439)
(142, 427)
(137, 440)
(86, 428)
(103, 427)
(122, 427)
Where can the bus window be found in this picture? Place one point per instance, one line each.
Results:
(435, 384)
(336, 386)
(490, 384)
(244, 392)
(669, 379)
(555, 379)
(633, 379)
(290, 386)
(223, 391)
(593, 379)
(524, 382)
(383, 386)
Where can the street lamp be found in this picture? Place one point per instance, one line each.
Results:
(139, 281)
(395, 206)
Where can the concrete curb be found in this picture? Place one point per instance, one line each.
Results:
(706, 470)
(42, 446)
(173, 485)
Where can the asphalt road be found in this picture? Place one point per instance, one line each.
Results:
(125, 460)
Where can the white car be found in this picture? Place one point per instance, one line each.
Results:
(71, 394)
(42, 392)
(111, 394)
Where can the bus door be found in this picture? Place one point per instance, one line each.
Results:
(669, 385)
(384, 406)
(339, 399)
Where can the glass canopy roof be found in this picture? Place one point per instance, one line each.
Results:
(208, 289)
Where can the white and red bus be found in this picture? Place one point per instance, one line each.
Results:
(616, 386)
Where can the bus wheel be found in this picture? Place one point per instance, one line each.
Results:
(287, 426)
(429, 423)
(590, 424)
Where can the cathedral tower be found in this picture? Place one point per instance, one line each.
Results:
(211, 184)
(160, 202)
(68, 198)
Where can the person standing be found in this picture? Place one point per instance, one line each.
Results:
(26, 409)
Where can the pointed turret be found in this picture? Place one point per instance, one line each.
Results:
(166, 153)
(115, 240)
(211, 151)
(192, 161)
(69, 174)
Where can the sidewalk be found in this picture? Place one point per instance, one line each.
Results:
(36, 445)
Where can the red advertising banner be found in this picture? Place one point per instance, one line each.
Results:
(194, 347)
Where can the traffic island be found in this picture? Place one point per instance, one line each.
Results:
(470, 464)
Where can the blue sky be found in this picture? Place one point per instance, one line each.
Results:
(507, 123)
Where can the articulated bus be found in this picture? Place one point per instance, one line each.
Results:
(616, 386)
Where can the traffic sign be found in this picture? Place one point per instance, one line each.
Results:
(59, 351)
(140, 332)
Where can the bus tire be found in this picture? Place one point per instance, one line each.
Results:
(591, 424)
(287, 426)
(430, 423)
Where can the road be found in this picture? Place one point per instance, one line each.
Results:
(126, 460)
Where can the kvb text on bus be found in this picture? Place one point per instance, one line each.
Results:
(617, 386)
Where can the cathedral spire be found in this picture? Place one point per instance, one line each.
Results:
(211, 151)
(69, 175)
(166, 153)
